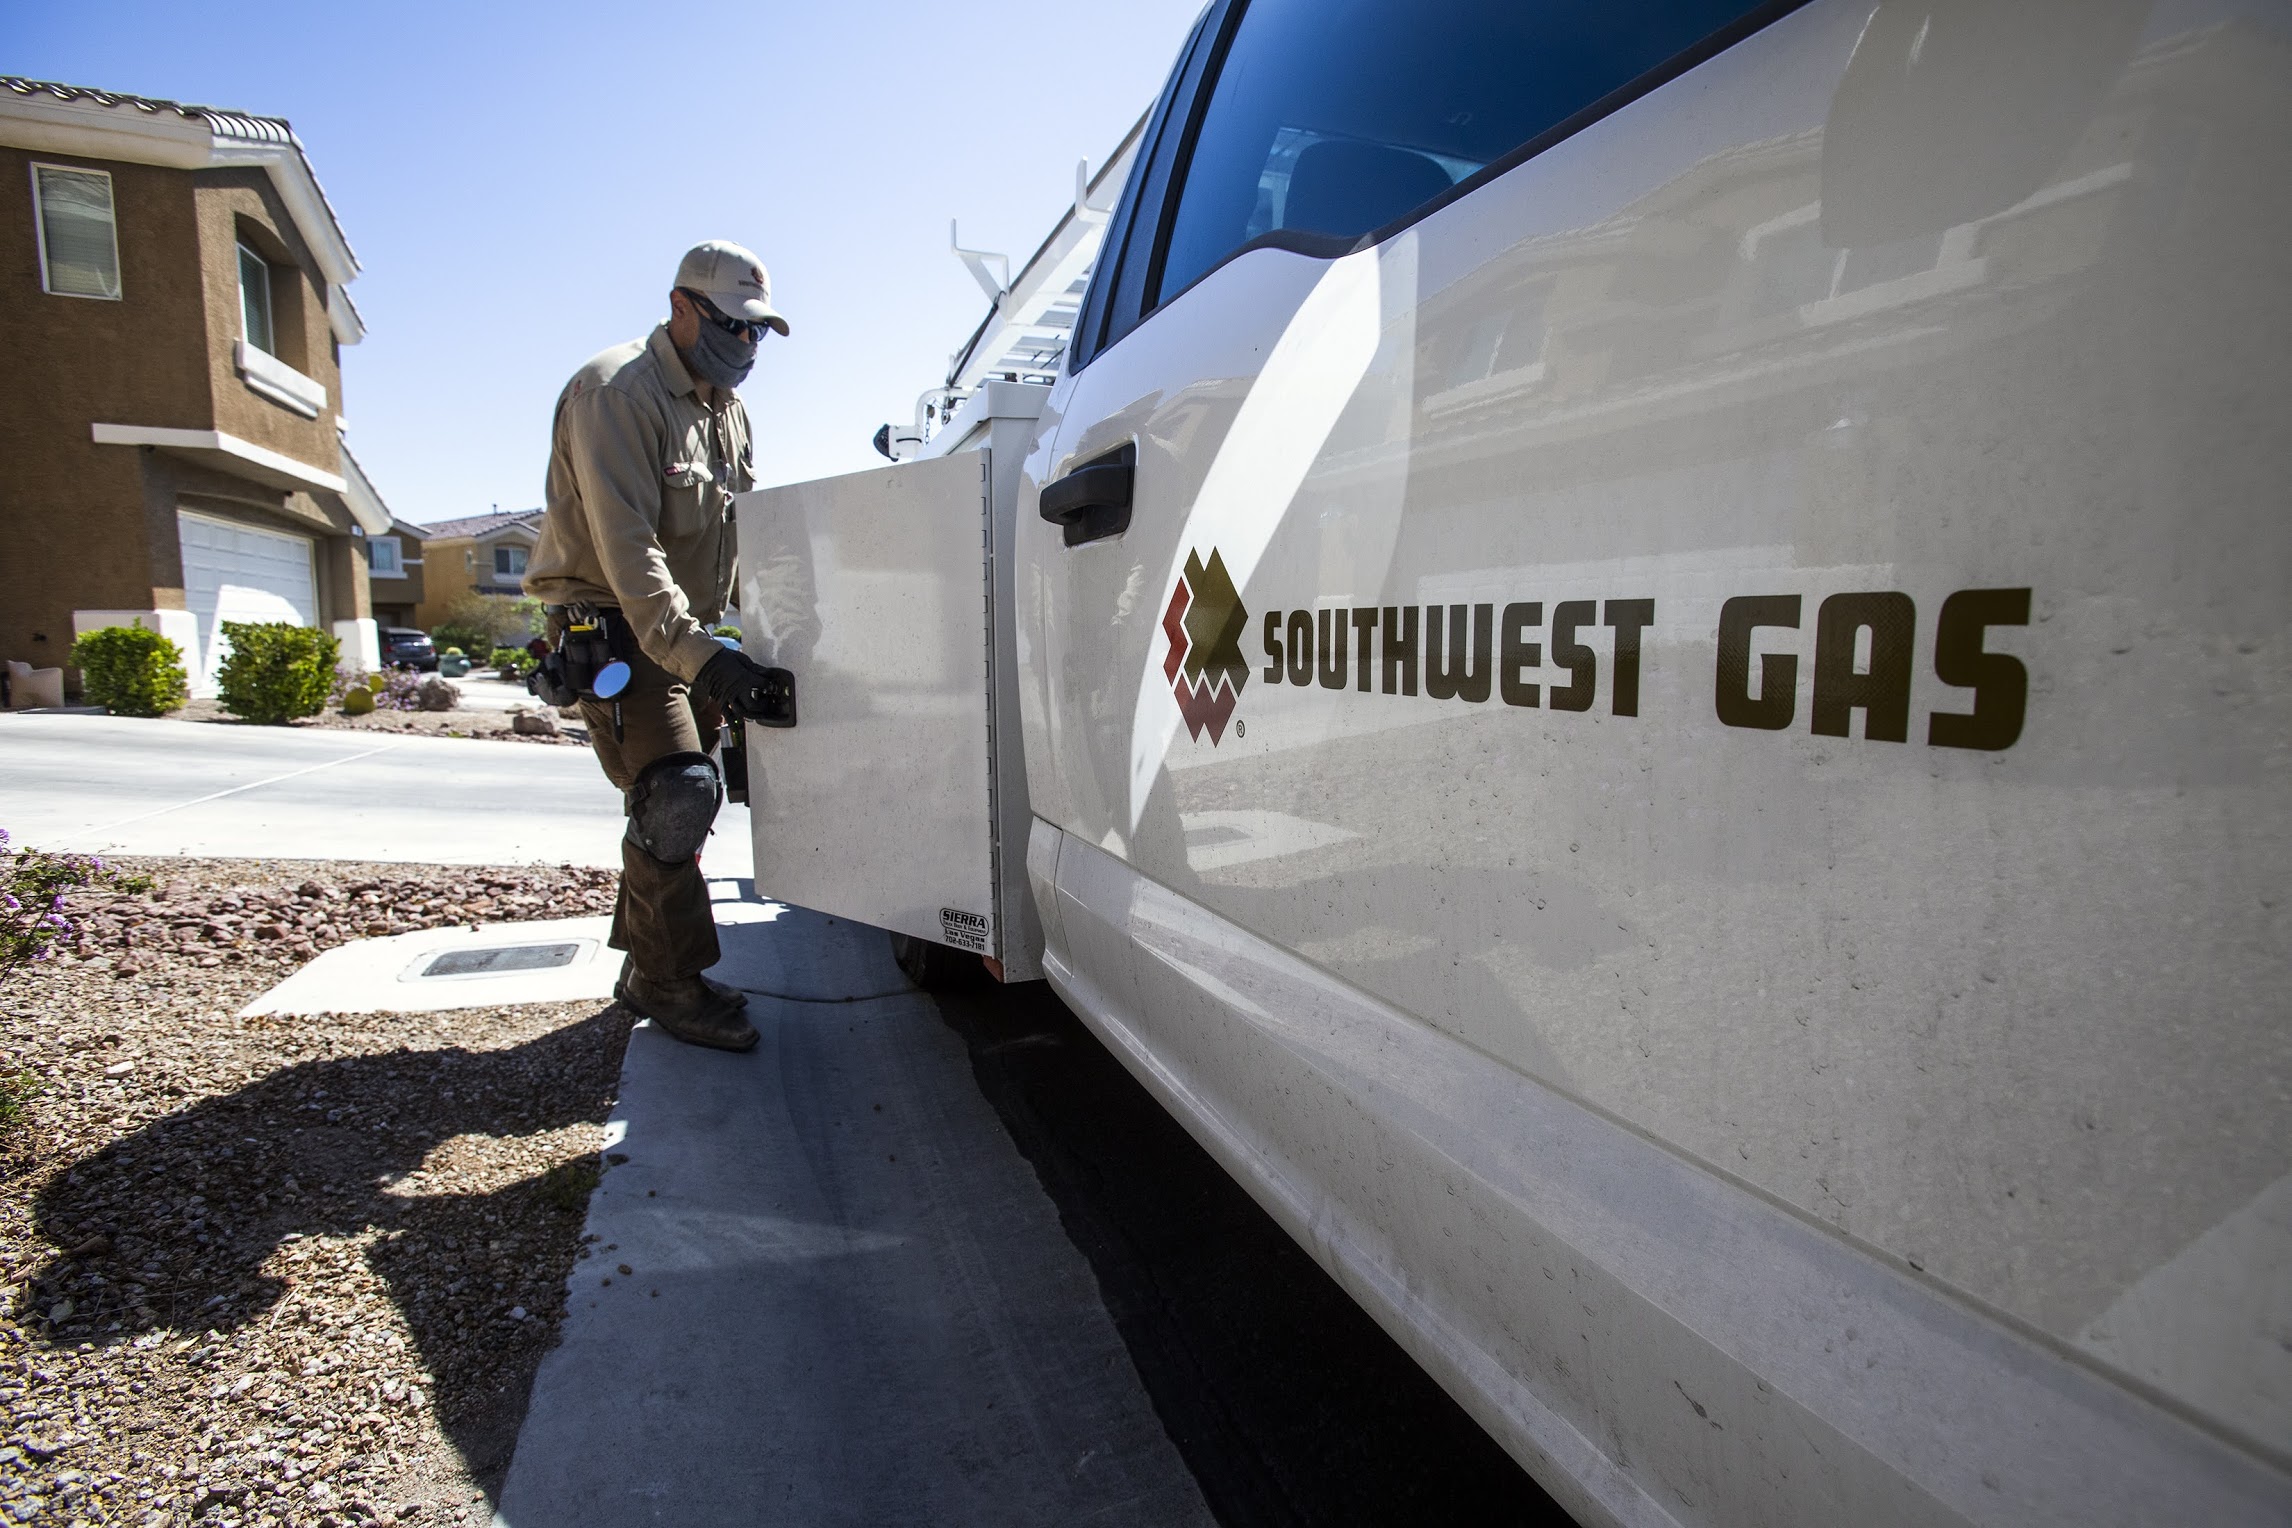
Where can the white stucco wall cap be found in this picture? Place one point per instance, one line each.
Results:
(214, 448)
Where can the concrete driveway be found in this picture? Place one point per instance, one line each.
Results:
(108, 784)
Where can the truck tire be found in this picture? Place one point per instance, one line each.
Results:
(933, 967)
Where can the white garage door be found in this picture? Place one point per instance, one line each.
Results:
(234, 572)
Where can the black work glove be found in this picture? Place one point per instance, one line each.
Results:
(742, 687)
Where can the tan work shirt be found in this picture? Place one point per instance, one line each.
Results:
(639, 509)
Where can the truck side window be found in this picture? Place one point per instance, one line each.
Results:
(1333, 119)
(1111, 308)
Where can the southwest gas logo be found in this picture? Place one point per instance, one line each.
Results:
(1866, 645)
(1205, 623)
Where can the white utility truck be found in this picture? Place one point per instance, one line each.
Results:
(1637, 656)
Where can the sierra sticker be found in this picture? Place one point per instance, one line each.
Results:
(962, 930)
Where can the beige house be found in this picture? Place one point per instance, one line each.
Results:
(176, 283)
(482, 554)
(396, 570)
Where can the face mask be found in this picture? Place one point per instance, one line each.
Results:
(722, 360)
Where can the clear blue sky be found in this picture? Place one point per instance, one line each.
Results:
(519, 179)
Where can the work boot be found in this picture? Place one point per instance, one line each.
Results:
(687, 1008)
(732, 995)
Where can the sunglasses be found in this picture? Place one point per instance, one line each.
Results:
(738, 327)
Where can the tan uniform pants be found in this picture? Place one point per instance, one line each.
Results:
(662, 917)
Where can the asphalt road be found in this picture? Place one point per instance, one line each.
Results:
(106, 784)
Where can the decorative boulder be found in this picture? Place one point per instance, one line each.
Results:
(438, 695)
(533, 724)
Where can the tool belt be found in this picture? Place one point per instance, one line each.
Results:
(588, 659)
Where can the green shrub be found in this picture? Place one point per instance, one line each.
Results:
(515, 662)
(495, 621)
(276, 672)
(133, 671)
(478, 645)
(725, 631)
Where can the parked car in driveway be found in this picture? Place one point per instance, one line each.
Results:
(404, 647)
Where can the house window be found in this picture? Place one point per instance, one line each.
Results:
(255, 301)
(388, 561)
(79, 237)
(509, 562)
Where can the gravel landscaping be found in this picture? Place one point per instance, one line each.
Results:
(282, 1270)
(467, 722)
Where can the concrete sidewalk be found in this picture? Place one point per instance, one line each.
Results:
(848, 1299)
(120, 785)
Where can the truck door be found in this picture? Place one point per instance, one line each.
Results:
(1710, 570)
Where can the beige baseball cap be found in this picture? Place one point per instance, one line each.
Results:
(733, 279)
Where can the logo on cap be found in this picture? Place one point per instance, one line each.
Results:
(1204, 623)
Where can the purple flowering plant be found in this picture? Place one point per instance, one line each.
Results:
(35, 918)
(397, 690)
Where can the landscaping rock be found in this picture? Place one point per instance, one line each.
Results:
(463, 721)
(256, 1270)
(534, 723)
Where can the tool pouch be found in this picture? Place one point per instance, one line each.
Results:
(547, 682)
(589, 660)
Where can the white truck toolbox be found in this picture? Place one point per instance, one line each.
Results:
(900, 797)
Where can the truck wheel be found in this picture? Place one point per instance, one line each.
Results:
(933, 967)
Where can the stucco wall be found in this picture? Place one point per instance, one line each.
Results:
(74, 524)
(444, 579)
(88, 526)
(405, 594)
(242, 205)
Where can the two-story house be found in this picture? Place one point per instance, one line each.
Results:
(482, 554)
(396, 570)
(170, 452)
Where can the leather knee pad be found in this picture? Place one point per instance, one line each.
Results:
(671, 805)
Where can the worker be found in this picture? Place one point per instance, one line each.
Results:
(649, 445)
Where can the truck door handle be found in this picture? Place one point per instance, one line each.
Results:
(1093, 501)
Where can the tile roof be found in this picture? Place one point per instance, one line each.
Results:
(230, 128)
(480, 525)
